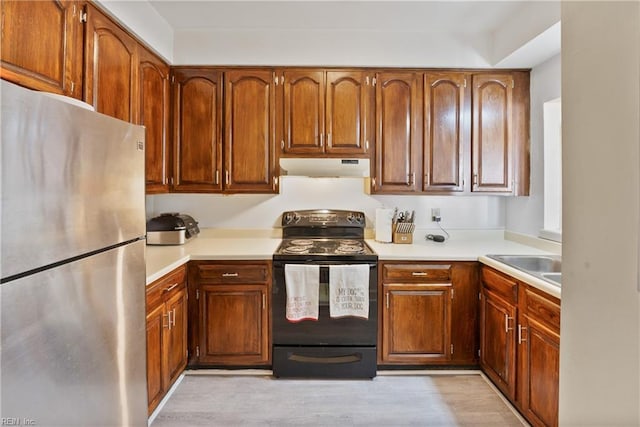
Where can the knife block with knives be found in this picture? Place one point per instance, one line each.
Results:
(403, 227)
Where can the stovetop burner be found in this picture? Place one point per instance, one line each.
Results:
(323, 247)
(324, 234)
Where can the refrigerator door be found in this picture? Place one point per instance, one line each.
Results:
(72, 181)
(73, 343)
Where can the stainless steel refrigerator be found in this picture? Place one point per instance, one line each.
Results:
(72, 283)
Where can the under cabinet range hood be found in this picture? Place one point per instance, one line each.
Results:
(324, 167)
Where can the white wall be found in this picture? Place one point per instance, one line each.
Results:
(328, 48)
(143, 20)
(263, 211)
(600, 330)
(526, 214)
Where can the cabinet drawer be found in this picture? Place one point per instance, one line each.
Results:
(416, 273)
(233, 273)
(165, 287)
(499, 284)
(542, 309)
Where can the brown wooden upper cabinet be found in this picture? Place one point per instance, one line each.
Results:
(41, 45)
(249, 148)
(397, 158)
(447, 101)
(110, 67)
(324, 112)
(493, 145)
(154, 115)
(197, 130)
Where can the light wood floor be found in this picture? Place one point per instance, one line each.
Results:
(395, 400)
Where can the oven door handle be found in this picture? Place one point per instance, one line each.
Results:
(350, 358)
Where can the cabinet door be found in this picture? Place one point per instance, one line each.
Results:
(197, 131)
(416, 323)
(154, 115)
(497, 341)
(176, 342)
(42, 45)
(446, 130)
(492, 133)
(539, 351)
(397, 116)
(250, 127)
(234, 325)
(156, 325)
(110, 67)
(303, 112)
(348, 98)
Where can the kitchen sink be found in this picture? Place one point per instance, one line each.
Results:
(554, 277)
(546, 267)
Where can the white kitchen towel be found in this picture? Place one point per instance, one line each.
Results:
(302, 284)
(349, 290)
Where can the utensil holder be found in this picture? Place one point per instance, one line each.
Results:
(403, 232)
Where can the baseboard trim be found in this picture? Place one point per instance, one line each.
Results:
(504, 399)
(164, 400)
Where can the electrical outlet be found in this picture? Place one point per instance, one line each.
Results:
(435, 215)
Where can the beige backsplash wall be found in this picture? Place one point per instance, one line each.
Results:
(263, 211)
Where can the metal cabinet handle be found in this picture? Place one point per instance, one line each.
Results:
(172, 287)
(321, 140)
(168, 320)
(520, 338)
(229, 274)
(506, 323)
(264, 301)
(387, 299)
(328, 140)
(173, 318)
(217, 177)
(168, 324)
(419, 273)
(227, 177)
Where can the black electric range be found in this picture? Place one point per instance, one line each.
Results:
(327, 347)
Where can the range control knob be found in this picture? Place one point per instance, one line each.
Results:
(290, 217)
(355, 217)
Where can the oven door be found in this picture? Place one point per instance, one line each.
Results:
(346, 331)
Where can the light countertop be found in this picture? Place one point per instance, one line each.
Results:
(260, 244)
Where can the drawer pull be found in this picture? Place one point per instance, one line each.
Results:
(229, 274)
(419, 273)
(172, 287)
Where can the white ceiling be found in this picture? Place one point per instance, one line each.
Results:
(461, 17)
(419, 33)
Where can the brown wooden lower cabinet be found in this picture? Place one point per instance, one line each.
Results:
(166, 333)
(539, 356)
(520, 345)
(232, 321)
(497, 324)
(428, 313)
